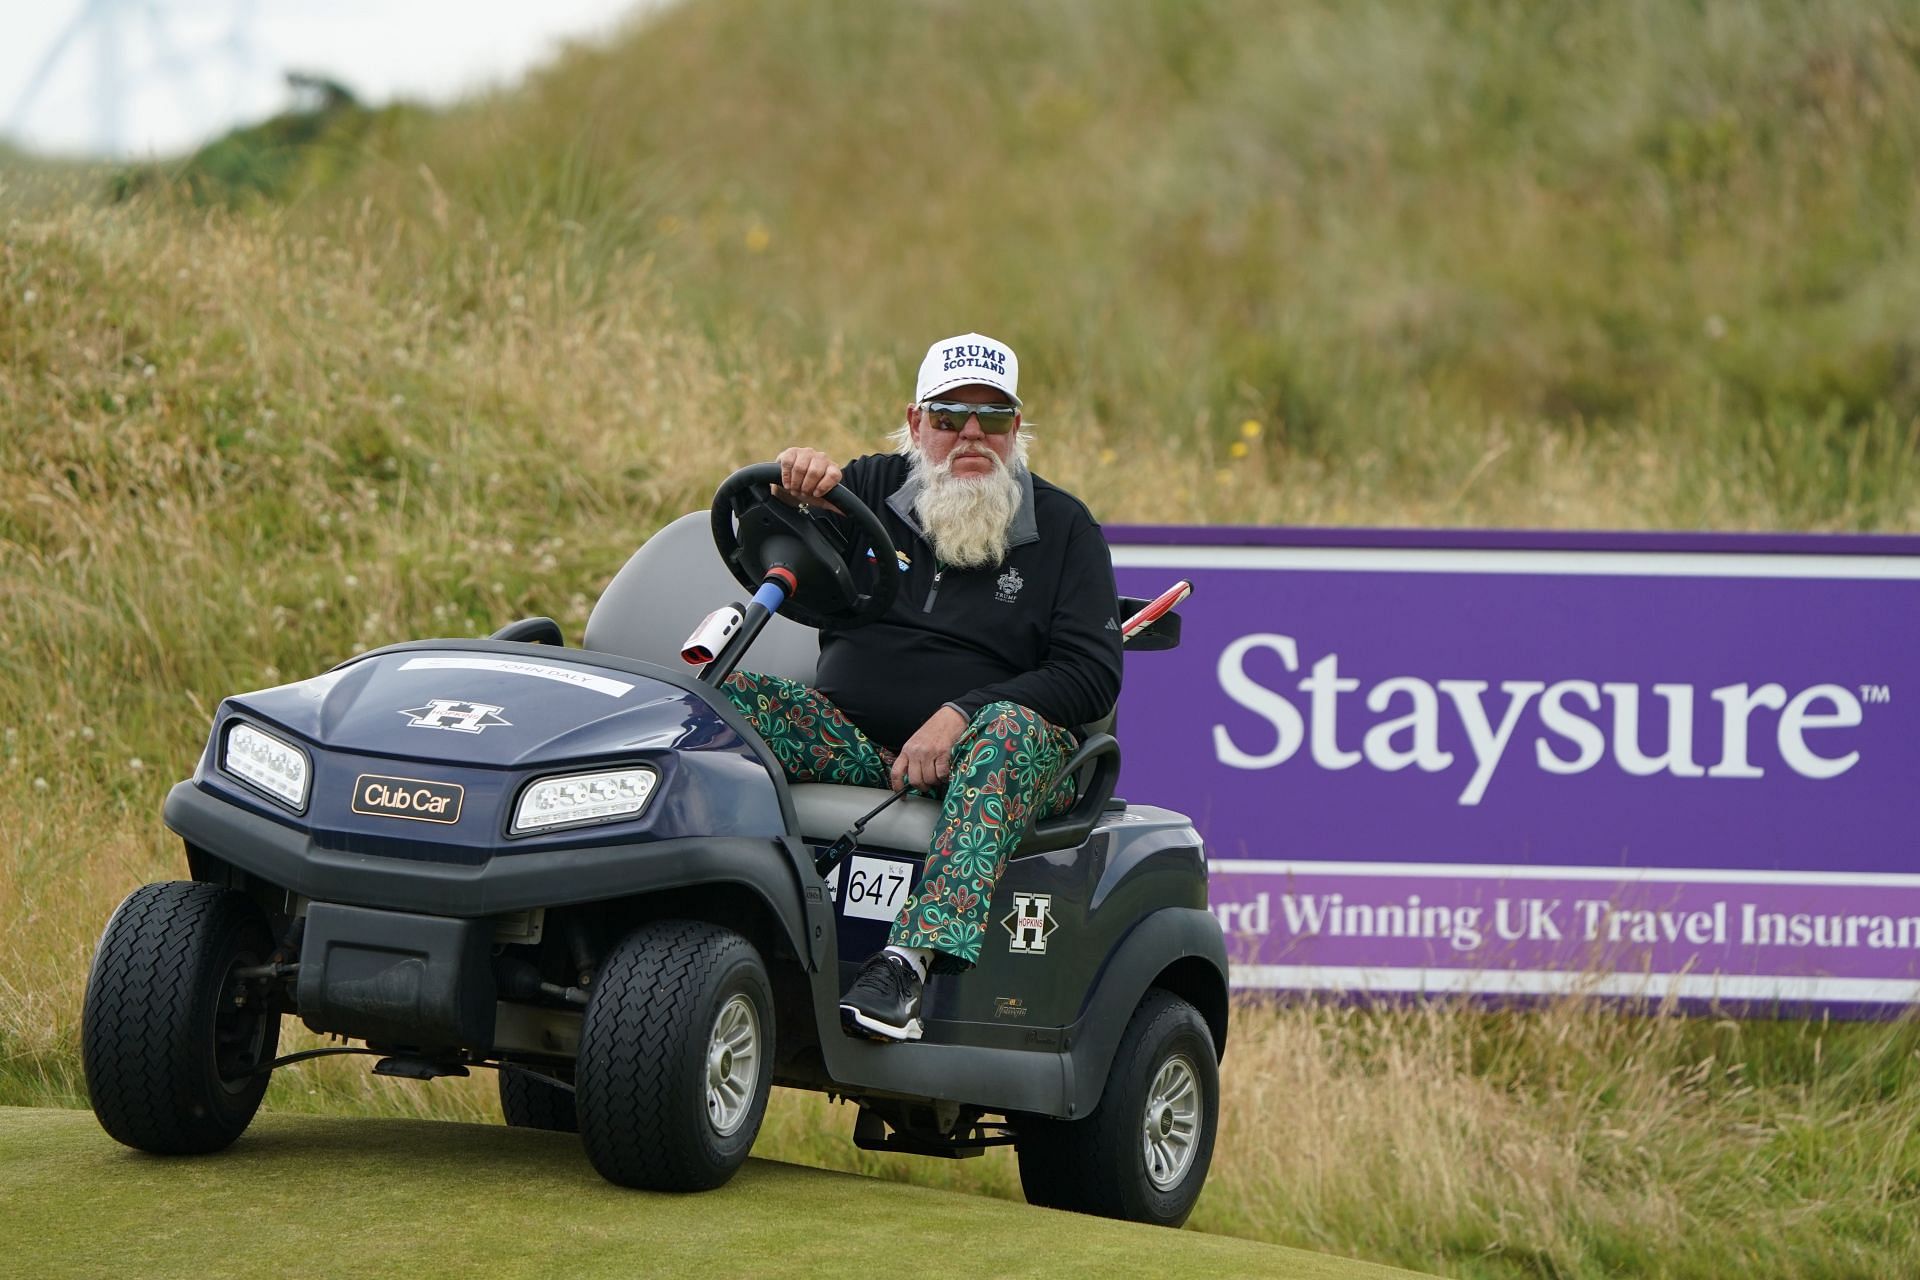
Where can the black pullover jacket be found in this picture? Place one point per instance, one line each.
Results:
(1040, 629)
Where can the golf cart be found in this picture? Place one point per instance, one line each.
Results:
(583, 868)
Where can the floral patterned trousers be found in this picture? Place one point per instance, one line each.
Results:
(1005, 773)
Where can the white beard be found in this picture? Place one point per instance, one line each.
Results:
(967, 518)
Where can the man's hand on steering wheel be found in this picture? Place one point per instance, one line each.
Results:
(834, 564)
(926, 761)
(806, 475)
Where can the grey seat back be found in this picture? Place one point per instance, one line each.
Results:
(664, 590)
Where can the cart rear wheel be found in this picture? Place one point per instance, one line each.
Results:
(1143, 1153)
(171, 1035)
(676, 1057)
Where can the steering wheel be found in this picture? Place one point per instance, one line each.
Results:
(755, 531)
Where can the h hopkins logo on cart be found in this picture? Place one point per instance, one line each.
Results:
(1030, 923)
(1565, 726)
(461, 717)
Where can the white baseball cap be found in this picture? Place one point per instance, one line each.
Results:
(967, 359)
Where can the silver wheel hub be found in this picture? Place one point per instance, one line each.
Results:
(733, 1058)
(1170, 1132)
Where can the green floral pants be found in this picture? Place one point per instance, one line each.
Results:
(1005, 773)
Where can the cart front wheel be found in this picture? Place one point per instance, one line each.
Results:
(171, 1035)
(676, 1057)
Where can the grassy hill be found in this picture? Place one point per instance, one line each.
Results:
(1407, 242)
(1639, 265)
(1634, 265)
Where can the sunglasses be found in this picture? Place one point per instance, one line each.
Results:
(952, 415)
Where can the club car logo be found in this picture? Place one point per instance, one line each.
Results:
(412, 798)
(1030, 923)
(461, 717)
(1560, 727)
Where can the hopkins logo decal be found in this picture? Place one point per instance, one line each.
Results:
(1010, 584)
(413, 798)
(461, 717)
(1030, 923)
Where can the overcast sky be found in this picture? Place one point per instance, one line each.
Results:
(138, 78)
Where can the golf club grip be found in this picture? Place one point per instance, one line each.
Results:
(1172, 596)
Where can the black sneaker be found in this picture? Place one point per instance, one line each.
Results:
(884, 1001)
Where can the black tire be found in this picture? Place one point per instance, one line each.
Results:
(167, 1054)
(642, 1075)
(1100, 1164)
(528, 1103)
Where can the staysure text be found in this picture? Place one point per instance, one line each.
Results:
(1563, 727)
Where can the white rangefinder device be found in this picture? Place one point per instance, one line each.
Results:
(712, 635)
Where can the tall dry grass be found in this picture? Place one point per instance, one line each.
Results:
(1632, 266)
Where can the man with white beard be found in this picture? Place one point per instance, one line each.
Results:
(1004, 638)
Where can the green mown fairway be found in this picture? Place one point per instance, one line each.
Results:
(423, 1198)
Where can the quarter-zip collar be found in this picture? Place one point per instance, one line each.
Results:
(1025, 528)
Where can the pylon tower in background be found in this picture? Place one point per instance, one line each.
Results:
(132, 49)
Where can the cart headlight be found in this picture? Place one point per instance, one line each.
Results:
(580, 798)
(276, 767)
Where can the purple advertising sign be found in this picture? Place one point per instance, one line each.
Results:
(1679, 765)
